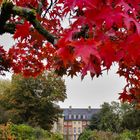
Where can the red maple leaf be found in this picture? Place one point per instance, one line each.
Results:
(22, 30)
(85, 48)
(108, 54)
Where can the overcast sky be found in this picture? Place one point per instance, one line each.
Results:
(93, 92)
(87, 92)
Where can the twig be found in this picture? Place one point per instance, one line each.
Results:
(47, 10)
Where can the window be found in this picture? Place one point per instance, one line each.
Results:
(84, 116)
(84, 123)
(74, 130)
(74, 137)
(65, 130)
(79, 116)
(65, 123)
(69, 116)
(74, 116)
(79, 130)
(70, 131)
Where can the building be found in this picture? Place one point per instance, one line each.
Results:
(73, 122)
(76, 120)
(58, 126)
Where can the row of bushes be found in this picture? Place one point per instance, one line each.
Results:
(25, 132)
(102, 135)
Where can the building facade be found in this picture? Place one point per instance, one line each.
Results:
(76, 120)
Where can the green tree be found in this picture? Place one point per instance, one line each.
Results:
(131, 118)
(95, 121)
(116, 117)
(4, 85)
(86, 135)
(33, 100)
(108, 119)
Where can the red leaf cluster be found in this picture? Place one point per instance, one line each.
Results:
(99, 33)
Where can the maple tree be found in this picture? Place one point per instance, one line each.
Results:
(98, 33)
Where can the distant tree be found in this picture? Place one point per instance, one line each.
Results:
(95, 121)
(108, 119)
(131, 118)
(116, 117)
(33, 100)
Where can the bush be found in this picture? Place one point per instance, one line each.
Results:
(138, 135)
(127, 135)
(25, 132)
(97, 135)
(86, 135)
(103, 135)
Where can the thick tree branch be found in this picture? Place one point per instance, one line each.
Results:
(29, 14)
(5, 15)
(10, 28)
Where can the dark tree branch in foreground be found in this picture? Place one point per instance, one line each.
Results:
(29, 14)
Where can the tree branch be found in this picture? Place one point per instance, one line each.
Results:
(10, 28)
(29, 14)
(5, 15)
(51, 4)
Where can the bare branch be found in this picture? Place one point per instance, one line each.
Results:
(50, 6)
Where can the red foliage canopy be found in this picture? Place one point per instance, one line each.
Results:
(72, 36)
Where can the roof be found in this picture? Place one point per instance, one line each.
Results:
(79, 113)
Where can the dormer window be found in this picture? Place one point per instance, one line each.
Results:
(69, 116)
(79, 116)
(84, 116)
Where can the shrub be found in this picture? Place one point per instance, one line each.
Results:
(138, 135)
(127, 135)
(86, 135)
(103, 135)
(25, 132)
(97, 135)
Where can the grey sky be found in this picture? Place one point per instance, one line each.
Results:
(93, 92)
(87, 92)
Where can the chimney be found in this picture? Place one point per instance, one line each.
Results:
(89, 108)
(70, 107)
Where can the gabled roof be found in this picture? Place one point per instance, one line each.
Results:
(79, 113)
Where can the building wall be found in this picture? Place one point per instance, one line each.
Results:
(73, 122)
(72, 129)
(58, 126)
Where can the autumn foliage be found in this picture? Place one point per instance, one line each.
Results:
(74, 36)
